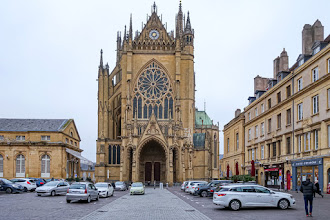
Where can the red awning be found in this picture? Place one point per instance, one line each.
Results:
(271, 169)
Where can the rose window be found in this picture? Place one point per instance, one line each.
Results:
(153, 83)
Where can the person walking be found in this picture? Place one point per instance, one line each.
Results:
(318, 191)
(307, 188)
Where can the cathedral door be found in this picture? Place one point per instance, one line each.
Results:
(148, 169)
(157, 171)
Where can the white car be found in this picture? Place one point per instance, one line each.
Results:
(183, 185)
(191, 186)
(26, 183)
(238, 196)
(105, 189)
(137, 188)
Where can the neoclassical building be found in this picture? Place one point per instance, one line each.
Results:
(148, 126)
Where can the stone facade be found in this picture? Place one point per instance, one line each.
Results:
(291, 122)
(39, 151)
(146, 109)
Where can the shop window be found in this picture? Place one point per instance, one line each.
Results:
(45, 166)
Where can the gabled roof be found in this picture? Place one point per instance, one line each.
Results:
(33, 124)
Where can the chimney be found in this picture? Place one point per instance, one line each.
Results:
(276, 66)
(237, 112)
(310, 34)
(284, 61)
(260, 83)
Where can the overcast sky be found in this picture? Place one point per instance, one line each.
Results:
(49, 52)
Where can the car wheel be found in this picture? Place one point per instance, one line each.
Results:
(68, 201)
(283, 204)
(25, 189)
(9, 190)
(107, 194)
(235, 205)
(88, 199)
(112, 193)
(204, 194)
(52, 193)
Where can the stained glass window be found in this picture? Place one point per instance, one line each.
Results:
(160, 112)
(150, 111)
(140, 108)
(134, 107)
(145, 111)
(166, 108)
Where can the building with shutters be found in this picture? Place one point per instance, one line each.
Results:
(148, 127)
(46, 148)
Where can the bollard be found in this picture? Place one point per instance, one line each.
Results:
(160, 185)
(167, 185)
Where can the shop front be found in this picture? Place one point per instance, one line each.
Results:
(307, 169)
(274, 175)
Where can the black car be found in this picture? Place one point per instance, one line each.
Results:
(9, 187)
(209, 188)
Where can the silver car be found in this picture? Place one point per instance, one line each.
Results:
(82, 191)
(53, 188)
(120, 186)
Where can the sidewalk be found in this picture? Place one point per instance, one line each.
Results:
(155, 204)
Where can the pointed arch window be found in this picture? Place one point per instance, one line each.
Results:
(160, 112)
(145, 111)
(20, 166)
(118, 154)
(114, 152)
(45, 166)
(156, 111)
(166, 108)
(150, 111)
(171, 108)
(134, 107)
(140, 107)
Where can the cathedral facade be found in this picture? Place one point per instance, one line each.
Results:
(148, 127)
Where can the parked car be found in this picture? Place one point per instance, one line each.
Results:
(39, 181)
(137, 188)
(9, 187)
(121, 186)
(105, 189)
(238, 196)
(184, 185)
(191, 185)
(218, 186)
(82, 191)
(197, 187)
(28, 184)
(53, 188)
(203, 190)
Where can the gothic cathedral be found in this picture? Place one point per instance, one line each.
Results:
(148, 127)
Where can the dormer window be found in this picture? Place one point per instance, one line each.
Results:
(316, 50)
(71, 134)
(301, 62)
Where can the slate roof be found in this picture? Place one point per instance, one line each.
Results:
(32, 124)
(199, 140)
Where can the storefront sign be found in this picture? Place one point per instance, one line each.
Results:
(313, 162)
(271, 169)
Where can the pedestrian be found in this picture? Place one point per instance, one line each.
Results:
(307, 188)
(318, 191)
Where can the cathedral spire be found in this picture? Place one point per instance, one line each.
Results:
(154, 8)
(130, 35)
(125, 35)
(101, 59)
(179, 21)
(188, 25)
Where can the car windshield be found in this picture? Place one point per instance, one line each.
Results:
(6, 181)
(224, 189)
(78, 186)
(51, 184)
(104, 185)
(119, 183)
(137, 185)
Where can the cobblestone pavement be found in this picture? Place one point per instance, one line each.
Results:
(156, 204)
(321, 208)
(28, 206)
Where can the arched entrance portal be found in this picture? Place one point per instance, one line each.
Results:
(152, 163)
